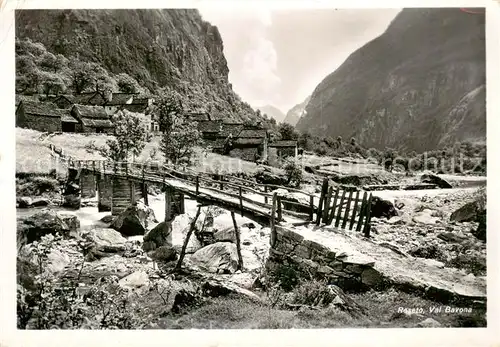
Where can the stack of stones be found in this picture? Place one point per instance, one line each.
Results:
(312, 258)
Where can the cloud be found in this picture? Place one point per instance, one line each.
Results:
(259, 69)
(251, 55)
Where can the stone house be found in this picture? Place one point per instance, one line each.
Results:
(250, 144)
(117, 101)
(280, 150)
(235, 139)
(43, 116)
(92, 119)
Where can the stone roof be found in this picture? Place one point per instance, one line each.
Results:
(209, 126)
(233, 129)
(38, 108)
(94, 112)
(252, 133)
(101, 123)
(67, 117)
(284, 143)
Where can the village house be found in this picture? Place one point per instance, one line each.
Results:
(280, 150)
(198, 116)
(235, 139)
(92, 119)
(43, 116)
(118, 100)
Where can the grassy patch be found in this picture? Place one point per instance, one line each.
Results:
(382, 311)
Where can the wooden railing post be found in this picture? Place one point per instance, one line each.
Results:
(353, 217)
(273, 220)
(311, 207)
(241, 200)
(324, 191)
(362, 213)
(280, 211)
(265, 197)
(366, 229)
(326, 208)
(197, 185)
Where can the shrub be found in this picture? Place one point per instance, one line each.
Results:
(37, 185)
(49, 303)
(293, 172)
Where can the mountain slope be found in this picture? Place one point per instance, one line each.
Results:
(296, 112)
(272, 112)
(418, 86)
(174, 48)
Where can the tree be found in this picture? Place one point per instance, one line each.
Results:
(81, 77)
(179, 140)
(51, 83)
(127, 84)
(130, 137)
(288, 132)
(168, 106)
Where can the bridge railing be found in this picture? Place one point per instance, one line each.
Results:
(346, 210)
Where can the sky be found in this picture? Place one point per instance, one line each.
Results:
(277, 57)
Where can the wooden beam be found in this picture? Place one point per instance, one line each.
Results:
(186, 240)
(324, 191)
(366, 229)
(334, 207)
(273, 221)
(326, 209)
(362, 213)
(339, 213)
(238, 243)
(353, 217)
(348, 206)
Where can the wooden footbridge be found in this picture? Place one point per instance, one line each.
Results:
(120, 184)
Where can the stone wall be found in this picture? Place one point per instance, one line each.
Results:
(41, 123)
(311, 258)
(125, 193)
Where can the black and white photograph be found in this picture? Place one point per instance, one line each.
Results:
(250, 167)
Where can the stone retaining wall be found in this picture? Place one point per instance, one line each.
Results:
(311, 258)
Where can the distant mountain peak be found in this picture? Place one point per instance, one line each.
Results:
(417, 86)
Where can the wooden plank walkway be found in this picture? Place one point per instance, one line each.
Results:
(344, 208)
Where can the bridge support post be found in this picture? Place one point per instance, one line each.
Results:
(168, 212)
(87, 184)
(104, 193)
(125, 193)
(144, 187)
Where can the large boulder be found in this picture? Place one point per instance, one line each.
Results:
(134, 220)
(480, 232)
(57, 260)
(469, 212)
(220, 257)
(138, 280)
(32, 228)
(382, 208)
(24, 201)
(157, 237)
(434, 179)
(290, 201)
(105, 242)
(225, 235)
(40, 202)
(164, 254)
(265, 176)
(426, 216)
(71, 220)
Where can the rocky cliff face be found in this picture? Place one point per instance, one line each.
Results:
(418, 86)
(173, 48)
(296, 112)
